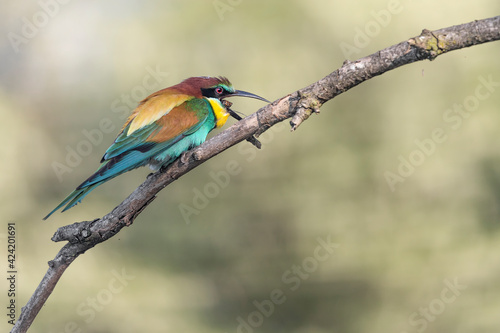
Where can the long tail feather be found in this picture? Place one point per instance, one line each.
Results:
(75, 197)
(107, 171)
(113, 167)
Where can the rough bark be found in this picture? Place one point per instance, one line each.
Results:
(298, 106)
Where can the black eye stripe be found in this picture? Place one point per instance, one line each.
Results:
(216, 92)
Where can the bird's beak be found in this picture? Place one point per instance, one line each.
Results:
(247, 94)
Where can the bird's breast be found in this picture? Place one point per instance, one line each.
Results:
(220, 112)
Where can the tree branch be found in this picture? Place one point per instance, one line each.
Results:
(298, 105)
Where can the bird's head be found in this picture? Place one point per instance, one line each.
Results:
(215, 90)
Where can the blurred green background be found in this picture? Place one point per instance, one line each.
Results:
(398, 251)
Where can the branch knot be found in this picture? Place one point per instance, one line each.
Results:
(77, 232)
(429, 45)
(306, 105)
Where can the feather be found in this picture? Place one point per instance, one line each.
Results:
(153, 108)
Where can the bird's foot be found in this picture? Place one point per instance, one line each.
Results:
(184, 157)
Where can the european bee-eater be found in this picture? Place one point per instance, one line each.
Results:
(163, 126)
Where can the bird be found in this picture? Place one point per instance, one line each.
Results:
(163, 126)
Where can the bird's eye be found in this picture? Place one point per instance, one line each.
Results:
(219, 90)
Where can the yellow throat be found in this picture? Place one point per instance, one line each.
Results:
(220, 112)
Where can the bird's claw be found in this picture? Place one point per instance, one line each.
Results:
(184, 157)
